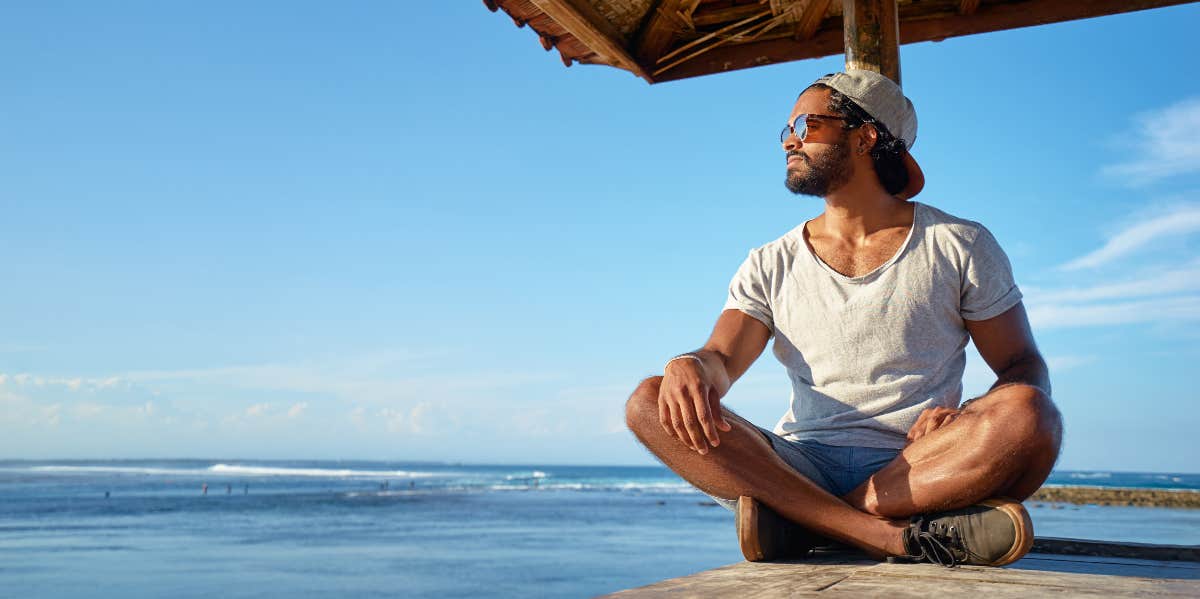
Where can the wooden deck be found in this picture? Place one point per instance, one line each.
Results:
(844, 573)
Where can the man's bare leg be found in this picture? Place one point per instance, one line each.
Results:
(745, 464)
(1002, 444)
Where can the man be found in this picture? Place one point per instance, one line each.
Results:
(871, 305)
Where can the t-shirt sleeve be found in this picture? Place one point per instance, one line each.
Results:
(748, 291)
(988, 287)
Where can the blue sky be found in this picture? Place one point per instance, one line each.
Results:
(295, 230)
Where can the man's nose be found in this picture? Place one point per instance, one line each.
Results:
(792, 142)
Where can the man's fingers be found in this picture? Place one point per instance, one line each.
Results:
(664, 413)
(714, 404)
(704, 414)
(705, 417)
(678, 425)
(693, 428)
(918, 428)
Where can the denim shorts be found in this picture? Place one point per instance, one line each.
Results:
(836, 469)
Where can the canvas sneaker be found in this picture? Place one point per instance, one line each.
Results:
(764, 535)
(994, 532)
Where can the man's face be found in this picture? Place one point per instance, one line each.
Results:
(821, 163)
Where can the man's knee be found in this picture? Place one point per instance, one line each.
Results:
(642, 408)
(1025, 415)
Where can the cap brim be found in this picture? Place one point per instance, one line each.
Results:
(916, 178)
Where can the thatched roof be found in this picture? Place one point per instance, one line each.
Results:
(663, 40)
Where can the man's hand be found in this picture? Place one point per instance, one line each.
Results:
(689, 405)
(930, 420)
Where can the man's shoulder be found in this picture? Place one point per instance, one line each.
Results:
(949, 229)
(785, 245)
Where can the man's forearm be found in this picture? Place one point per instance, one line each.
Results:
(1027, 370)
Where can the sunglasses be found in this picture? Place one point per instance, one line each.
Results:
(802, 123)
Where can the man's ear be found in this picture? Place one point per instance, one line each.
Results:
(867, 138)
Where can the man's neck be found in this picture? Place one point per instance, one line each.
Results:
(854, 212)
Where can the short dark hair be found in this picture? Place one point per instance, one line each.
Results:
(888, 153)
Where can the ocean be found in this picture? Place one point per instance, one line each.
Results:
(255, 528)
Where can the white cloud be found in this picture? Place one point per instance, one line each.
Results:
(417, 420)
(1163, 143)
(370, 378)
(395, 421)
(258, 409)
(86, 410)
(420, 418)
(74, 384)
(359, 416)
(1163, 282)
(1168, 309)
(1179, 221)
(297, 409)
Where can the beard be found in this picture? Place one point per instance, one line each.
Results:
(822, 174)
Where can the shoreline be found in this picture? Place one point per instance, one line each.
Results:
(1084, 495)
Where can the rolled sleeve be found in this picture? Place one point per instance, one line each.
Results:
(748, 292)
(988, 286)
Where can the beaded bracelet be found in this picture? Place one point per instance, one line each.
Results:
(684, 356)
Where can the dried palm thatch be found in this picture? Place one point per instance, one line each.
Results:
(664, 40)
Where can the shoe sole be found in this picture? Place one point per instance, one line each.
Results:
(1021, 520)
(747, 529)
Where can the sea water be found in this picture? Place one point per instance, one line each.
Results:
(250, 528)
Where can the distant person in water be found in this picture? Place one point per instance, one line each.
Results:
(204, 489)
(871, 305)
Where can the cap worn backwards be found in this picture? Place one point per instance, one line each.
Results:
(881, 98)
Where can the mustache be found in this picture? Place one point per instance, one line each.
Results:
(791, 153)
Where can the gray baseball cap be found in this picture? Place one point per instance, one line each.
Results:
(881, 98)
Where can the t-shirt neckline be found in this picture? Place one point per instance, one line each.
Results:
(918, 210)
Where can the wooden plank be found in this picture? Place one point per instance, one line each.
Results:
(592, 30)
(814, 13)
(968, 7)
(989, 17)
(660, 30)
(850, 575)
(706, 15)
(872, 36)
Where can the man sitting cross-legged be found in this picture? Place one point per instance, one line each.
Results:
(871, 305)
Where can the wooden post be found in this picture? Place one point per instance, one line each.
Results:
(872, 33)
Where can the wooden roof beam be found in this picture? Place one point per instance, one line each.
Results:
(592, 30)
(872, 36)
(988, 17)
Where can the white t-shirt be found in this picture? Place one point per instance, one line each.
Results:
(867, 354)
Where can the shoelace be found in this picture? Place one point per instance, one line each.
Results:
(937, 541)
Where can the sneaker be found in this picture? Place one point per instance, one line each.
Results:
(994, 532)
(765, 535)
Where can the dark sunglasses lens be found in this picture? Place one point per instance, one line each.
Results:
(799, 126)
